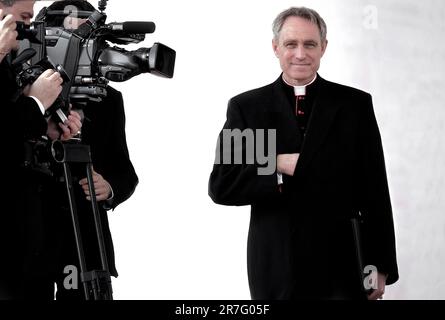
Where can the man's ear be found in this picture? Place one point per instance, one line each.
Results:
(275, 47)
(323, 47)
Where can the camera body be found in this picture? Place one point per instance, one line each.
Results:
(90, 62)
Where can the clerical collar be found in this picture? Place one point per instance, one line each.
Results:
(300, 90)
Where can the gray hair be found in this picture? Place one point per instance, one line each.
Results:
(8, 3)
(301, 12)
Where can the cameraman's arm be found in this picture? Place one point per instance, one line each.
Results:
(35, 100)
(111, 159)
(115, 163)
(32, 123)
(46, 88)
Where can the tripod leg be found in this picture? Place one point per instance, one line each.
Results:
(96, 283)
(75, 220)
(99, 232)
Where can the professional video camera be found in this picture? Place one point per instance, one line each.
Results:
(89, 61)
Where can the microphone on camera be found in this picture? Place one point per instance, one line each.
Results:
(94, 21)
(133, 27)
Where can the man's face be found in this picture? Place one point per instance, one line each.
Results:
(299, 49)
(21, 10)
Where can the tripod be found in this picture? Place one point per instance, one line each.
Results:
(96, 283)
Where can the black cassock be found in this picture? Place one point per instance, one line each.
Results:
(301, 242)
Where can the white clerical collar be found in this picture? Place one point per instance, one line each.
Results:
(300, 90)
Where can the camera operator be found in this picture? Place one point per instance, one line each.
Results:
(22, 235)
(114, 176)
(45, 89)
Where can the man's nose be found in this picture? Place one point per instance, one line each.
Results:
(300, 53)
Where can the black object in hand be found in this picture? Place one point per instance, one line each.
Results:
(26, 31)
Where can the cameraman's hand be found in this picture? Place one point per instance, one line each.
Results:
(64, 131)
(8, 35)
(71, 127)
(46, 88)
(101, 187)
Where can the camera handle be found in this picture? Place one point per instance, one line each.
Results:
(96, 283)
(102, 5)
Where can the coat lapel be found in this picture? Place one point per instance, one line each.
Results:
(322, 117)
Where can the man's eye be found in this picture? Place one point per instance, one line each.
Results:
(291, 45)
(310, 45)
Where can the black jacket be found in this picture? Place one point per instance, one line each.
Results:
(301, 243)
(22, 120)
(104, 130)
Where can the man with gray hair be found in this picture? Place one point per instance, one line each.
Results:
(321, 226)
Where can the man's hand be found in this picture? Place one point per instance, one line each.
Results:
(381, 283)
(8, 35)
(286, 163)
(46, 88)
(71, 127)
(101, 186)
(66, 130)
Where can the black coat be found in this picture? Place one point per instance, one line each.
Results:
(104, 131)
(301, 242)
(22, 120)
(22, 116)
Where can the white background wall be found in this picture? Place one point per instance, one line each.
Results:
(171, 241)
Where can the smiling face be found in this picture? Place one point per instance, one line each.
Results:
(299, 48)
